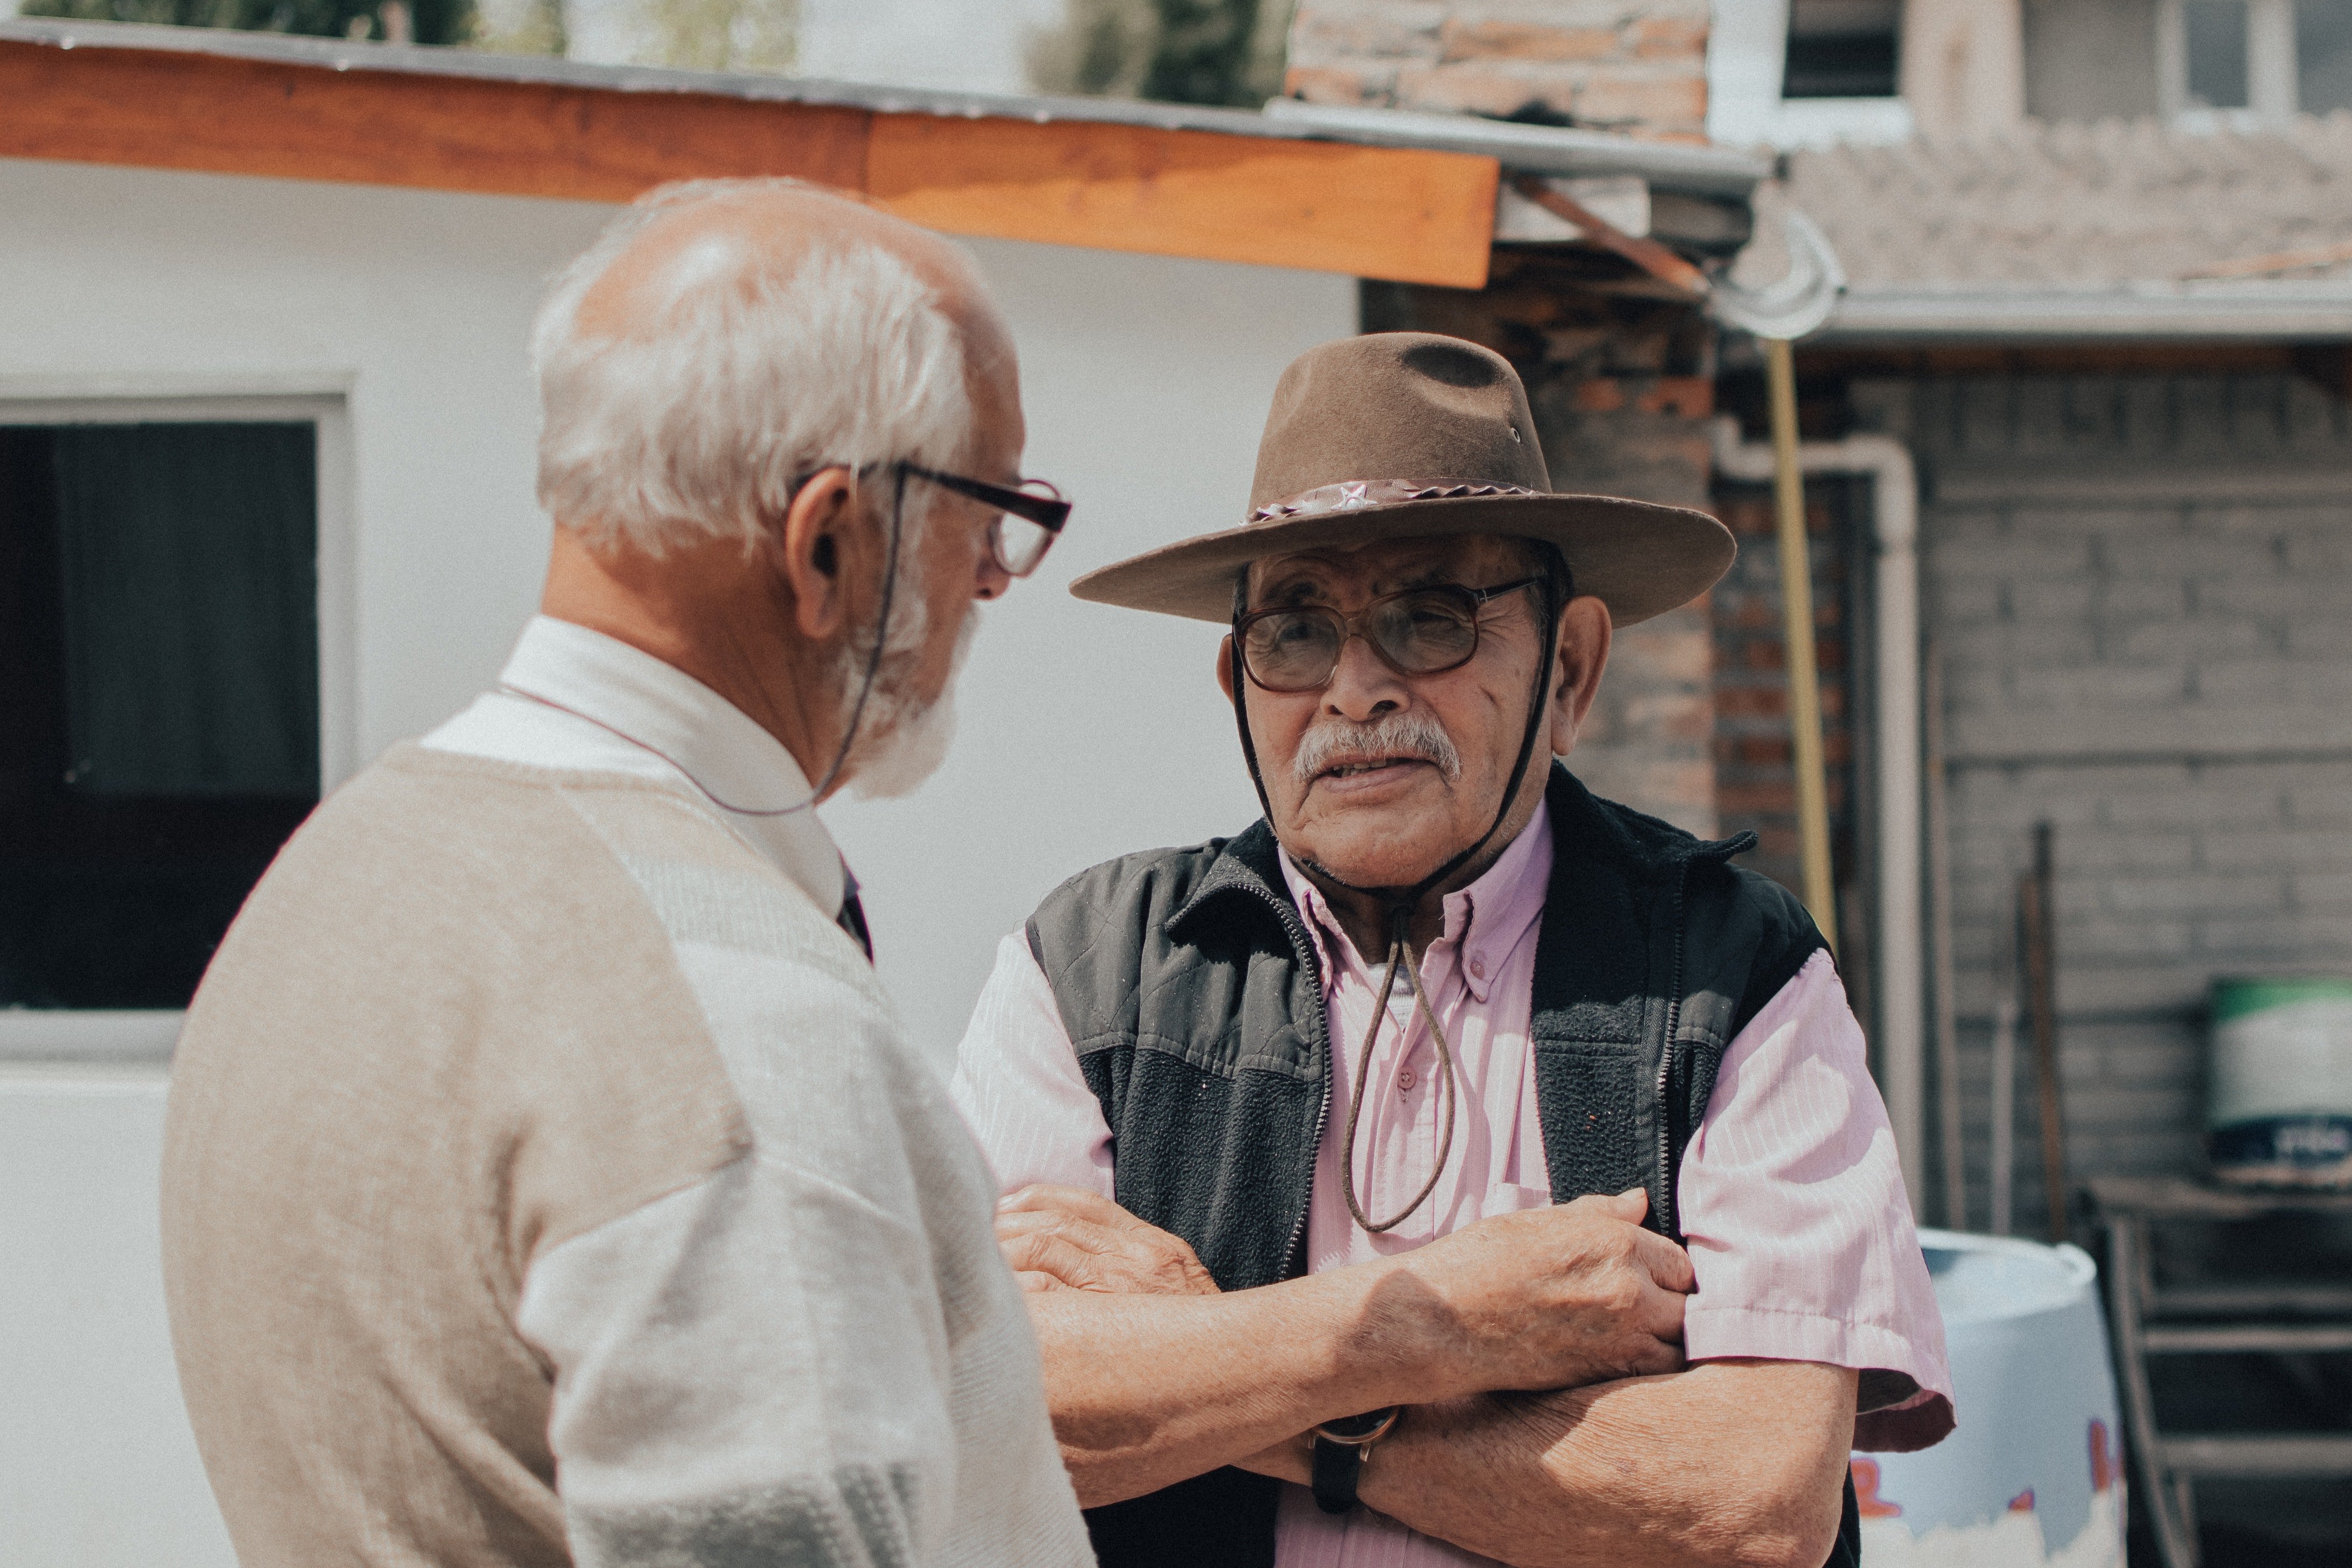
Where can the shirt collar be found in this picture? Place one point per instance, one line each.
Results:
(1484, 921)
(732, 765)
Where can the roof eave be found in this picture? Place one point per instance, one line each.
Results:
(1532, 149)
(2122, 312)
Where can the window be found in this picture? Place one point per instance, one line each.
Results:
(2265, 60)
(2322, 56)
(2215, 35)
(1841, 48)
(160, 655)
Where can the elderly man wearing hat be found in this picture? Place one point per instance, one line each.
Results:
(1453, 1166)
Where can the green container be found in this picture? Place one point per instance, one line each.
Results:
(2279, 1098)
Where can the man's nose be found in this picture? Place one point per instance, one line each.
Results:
(1362, 686)
(990, 580)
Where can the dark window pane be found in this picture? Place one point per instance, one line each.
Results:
(2217, 52)
(188, 559)
(2323, 54)
(1841, 48)
(159, 677)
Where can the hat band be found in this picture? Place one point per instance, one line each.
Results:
(1351, 494)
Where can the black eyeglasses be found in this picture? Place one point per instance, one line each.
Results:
(1028, 519)
(1421, 631)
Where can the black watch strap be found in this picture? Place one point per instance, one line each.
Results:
(1337, 1465)
(1340, 1450)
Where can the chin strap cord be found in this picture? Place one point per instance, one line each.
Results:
(1401, 903)
(1400, 952)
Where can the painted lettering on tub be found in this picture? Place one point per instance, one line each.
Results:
(2012, 1539)
(1865, 1492)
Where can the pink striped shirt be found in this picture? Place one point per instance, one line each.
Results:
(1790, 1197)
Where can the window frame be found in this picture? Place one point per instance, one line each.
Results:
(104, 1035)
(2273, 91)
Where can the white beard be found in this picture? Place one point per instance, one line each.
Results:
(901, 741)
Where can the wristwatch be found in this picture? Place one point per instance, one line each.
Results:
(1340, 1450)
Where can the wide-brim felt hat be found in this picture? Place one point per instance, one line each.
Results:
(1415, 435)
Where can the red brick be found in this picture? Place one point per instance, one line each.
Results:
(1328, 84)
(1475, 90)
(1600, 396)
(1526, 41)
(1339, 32)
(1657, 36)
(1691, 396)
(1754, 797)
(1619, 101)
(1749, 702)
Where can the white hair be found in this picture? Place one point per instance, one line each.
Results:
(752, 374)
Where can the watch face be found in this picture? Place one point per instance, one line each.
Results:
(1370, 1424)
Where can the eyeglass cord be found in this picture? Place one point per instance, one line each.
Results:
(856, 711)
(1400, 951)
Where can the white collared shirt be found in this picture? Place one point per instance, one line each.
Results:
(620, 710)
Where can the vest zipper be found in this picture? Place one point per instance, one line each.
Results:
(1662, 1201)
(1304, 946)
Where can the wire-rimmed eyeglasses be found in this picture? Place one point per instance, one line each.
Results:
(1419, 631)
(1029, 516)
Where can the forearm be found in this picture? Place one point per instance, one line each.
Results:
(1731, 1462)
(1147, 1391)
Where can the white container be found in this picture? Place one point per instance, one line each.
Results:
(2279, 1101)
(2033, 1474)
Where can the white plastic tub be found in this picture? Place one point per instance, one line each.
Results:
(2034, 1475)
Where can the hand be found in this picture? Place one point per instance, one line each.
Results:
(1543, 1299)
(1066, 1238)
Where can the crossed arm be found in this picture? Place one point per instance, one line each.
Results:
(1154, 1376)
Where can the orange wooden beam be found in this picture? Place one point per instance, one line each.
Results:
(1410, 216)
(223, 116)
(1401, 215)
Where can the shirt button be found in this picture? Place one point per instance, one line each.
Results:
(1406, 1080)
(1478, 968)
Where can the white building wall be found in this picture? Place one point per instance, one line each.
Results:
(1085, 732)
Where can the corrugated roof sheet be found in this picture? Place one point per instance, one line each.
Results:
(1713, 171)
(2115, 202)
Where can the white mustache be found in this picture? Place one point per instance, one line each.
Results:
(1405, 735)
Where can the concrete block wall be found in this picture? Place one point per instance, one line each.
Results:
(1638, 65)
(2141, 588)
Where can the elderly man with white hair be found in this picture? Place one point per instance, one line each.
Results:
(546, 1178)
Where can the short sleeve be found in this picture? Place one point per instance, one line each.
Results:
(1800, 1230)
(1018, 1086)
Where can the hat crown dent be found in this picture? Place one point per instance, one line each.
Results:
(1393, 405)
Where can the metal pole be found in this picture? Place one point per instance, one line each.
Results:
(1939, 941)
(1796, 630)
(2042, 1003)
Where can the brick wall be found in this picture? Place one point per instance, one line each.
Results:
(1637, 66)
(1755, 773)
(2142, 590)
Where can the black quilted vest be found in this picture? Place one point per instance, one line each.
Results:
(1188, 984)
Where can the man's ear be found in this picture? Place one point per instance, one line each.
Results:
(1581, 651)
(1225, 667)
(815, 549)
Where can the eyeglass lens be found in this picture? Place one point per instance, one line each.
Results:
(1423, 632)
(1019, 543)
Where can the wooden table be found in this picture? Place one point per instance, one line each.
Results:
(2150, 1319)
